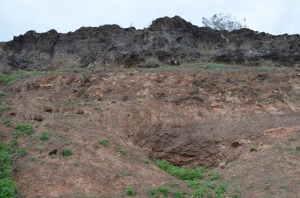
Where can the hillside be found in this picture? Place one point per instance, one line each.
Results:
(97, 133)
(173, 110)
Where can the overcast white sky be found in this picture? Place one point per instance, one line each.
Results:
(19, 16)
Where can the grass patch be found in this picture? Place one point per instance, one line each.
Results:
(45, 136)
(21, 152)
(152, 192)
(214, 176)
(23, 129)
(194, 184)
(67, 152)
(15, 76)
(130, 191)
(104, 143)
(8, 123)
(165, 190)
(181, 173)
(253, 149)
(7, 186)
(146, 161)
(66, 103)
(120, 150)
(201, 193)
(221, 189)
(3, 108)
(297, 148)
(178, 194)
(2, 93)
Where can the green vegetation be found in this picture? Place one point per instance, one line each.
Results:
(3, 108)
(7, 186)
(104, 143)
(39, 149)
(15, 76)
(253, 149)
(8, 123)
(66, 103)
(76, 164)
(201, 182)
(178, 194)
(130, 191)
(214, 176)
(297, 148)
(288, 148)
(23, 129)
(67, 152)
(2, 93)
(152, 192)
(221, 189)
(146, 161)
(215, 67)
(181, 173)
(201, 193)
(194, 184)
(45, 136)
(21, 152)
(165, 190)
(120, 150)
(35, 138)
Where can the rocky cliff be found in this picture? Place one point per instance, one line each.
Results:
(169, 40)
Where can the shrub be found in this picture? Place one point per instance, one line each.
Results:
(223, 21)
(150, 62)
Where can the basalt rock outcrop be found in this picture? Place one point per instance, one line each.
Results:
(169, 40)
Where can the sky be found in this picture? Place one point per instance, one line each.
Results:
(19, 16)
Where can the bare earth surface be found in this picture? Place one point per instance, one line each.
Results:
(189, 116)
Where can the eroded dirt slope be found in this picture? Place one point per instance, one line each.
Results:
(190, 118)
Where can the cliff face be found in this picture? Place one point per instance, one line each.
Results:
(171, 40)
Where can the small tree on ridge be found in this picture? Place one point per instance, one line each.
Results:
(223, 21)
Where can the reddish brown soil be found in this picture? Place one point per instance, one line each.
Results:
(187, 117)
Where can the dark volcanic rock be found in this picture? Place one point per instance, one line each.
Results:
(170, 40)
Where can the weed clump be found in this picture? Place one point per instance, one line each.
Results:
(120, 150)
(67, 152)
(7, 186)
(104, 143)
(23, 129)
(130, 191)
(181, 173)
(45, 136)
